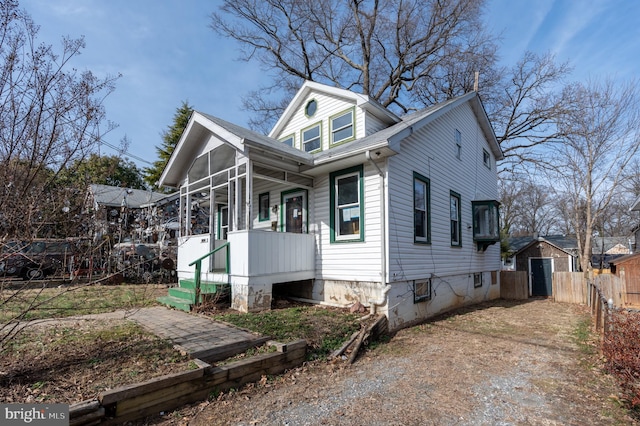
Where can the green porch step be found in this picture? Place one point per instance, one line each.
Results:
(174, 302)
(205, 287)
(184, 297)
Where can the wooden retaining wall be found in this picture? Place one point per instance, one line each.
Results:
(128, 403)
(569, 287)
(514, 285)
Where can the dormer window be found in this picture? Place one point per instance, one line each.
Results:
(311, 138)
(311, 108)
(342, 127)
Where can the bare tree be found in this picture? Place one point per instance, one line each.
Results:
(50, 115)
(381, 48)
(526, 207)
(602, 137)
(524, 107)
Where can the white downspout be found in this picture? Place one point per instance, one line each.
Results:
(383, 247)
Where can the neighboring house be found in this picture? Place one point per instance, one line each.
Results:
(627, 270)
(540, 257)
(343, 202)
(137, 225)
(606, 249)
(118, 212)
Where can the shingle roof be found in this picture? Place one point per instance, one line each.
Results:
(113, 196)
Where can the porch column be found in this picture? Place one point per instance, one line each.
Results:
(248, 196)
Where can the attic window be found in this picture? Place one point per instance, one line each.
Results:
(311, 138)
(486, 159)
(311, 108)
(289, 140)
(342, 127)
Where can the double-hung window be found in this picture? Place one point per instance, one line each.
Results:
(311, 138)
(458, 147)
(347, 209)
(342, 127)
(454, 216)
(421, 207)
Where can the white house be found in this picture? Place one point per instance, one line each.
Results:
(342, 202)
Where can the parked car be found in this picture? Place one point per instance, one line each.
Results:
(37, 259)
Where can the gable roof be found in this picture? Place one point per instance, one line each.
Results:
(386, 141)
(114, 196)
(363, 101)
(234, 135)
(565, 243)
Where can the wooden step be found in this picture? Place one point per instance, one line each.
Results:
(175, 302)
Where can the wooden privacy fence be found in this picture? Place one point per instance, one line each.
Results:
(569, 287)
(514, 285)
(611, 287)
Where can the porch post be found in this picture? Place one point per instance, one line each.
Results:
(231, 208)
(248, 196)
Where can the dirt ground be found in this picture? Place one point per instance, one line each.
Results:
(502, 363)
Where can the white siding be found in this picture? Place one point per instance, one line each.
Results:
(328, 106)
(373, 125)
(349, 261)
(431, 152)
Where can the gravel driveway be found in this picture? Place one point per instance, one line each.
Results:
(501, 363)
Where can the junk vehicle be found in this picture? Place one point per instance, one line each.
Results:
(37, 259)
(148, 262)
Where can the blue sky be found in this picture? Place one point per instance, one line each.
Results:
(167, 53)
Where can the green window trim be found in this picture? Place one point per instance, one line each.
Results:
(486, 223)
(336, 208)
(311, 107)
(264, 207)
(304, 141)
(421, 213)
(455, 219)
(285, 140)
(341, 127)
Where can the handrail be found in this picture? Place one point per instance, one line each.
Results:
(198, 263)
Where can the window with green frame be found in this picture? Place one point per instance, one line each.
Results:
(311, 138)
(347, 205)
(454, 218)
(421, 209)
(342, 127)
(289, 140)
(263, 207)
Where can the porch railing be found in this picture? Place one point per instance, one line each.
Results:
(198, 263)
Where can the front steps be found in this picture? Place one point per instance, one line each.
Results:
(184, 297)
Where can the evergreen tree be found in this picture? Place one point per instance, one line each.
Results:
(170, 138)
